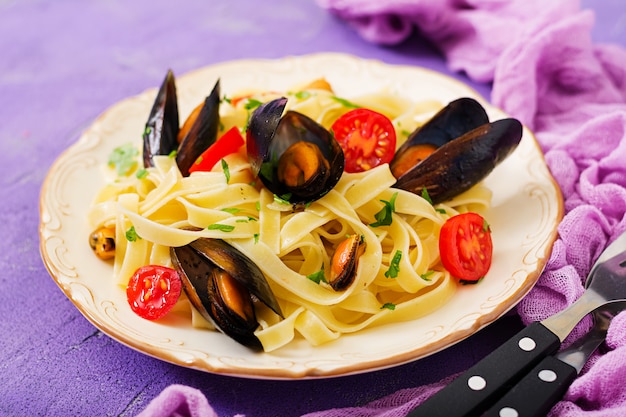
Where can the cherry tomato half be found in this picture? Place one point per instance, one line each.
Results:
(153, 290)
(368, 139)
(228, 143)
(465, 246)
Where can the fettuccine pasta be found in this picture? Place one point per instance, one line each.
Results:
(399, 276)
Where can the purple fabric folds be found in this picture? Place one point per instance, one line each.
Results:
(546, 72)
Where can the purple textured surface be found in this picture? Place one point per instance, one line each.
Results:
(62, 63)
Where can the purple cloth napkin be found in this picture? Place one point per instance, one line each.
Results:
(546, 72)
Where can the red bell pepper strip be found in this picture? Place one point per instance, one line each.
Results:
(228, 143)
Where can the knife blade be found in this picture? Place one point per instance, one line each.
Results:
(484, 383)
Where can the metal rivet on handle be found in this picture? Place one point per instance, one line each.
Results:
(527, 344)
(508, 412)
(476, 383)
(547, 375)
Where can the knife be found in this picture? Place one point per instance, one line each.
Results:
(484, 383)
(546, 384)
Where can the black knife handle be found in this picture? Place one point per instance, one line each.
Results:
(480, 386)
(537, 392)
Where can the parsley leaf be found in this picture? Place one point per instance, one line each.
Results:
(252, 104)
(426, 276)
(394, 266)
(221, 227)
(142, 173)
(345, 102)
(384, 216)
(231, 210)
(122, 159)
(226, 170)
(131, 234)
(283, 199)
(388, 306)
(302, 95)
(426, 196)
(467, 282)
(317, 277)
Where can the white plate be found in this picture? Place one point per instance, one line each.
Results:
(527, 207)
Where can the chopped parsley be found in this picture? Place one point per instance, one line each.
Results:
(252, 104)
(302, 95)
(221, 227)
(282, 199)
(142, 173)
(246, 220)
(426, 196)
(345, 102)
(384, 216)
(317, 277)
(231, 210)
(123, 159)
(394, 266)
(388, 306)
(131, 234)
(470, 282)
(256, 238)
(426, 276)
(226, 170)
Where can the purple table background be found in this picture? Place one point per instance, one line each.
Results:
(64, 62)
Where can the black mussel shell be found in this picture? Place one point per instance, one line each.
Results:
(457, 118)
(200, 264)
(463, 162)
(159, 136)
(270, 136)
(203, 132)
(260, 132)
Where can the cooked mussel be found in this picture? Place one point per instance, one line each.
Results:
(159, 136)
(221, 282)
(457, 118)
(463, 162)
(295, 157)
(162, 134)
(345, 261)
(102, 242)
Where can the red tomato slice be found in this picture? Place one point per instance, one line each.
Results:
(228, 143)
(153, 290)
(368, 139)
(465, 246)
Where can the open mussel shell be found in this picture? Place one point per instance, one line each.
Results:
(159, 137)
(220, 281)
(202, 134)
(295, 157)
(345, 261)
(457, 118)
(463, 162)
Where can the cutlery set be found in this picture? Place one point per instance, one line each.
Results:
(526, 376)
